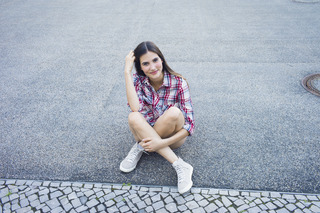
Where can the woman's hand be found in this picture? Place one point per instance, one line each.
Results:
(129, 62)
(151, 144)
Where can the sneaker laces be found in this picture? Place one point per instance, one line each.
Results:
(180, 174)
(134, 152)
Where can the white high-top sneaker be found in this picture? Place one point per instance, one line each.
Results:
(184, 173)
(133, 157)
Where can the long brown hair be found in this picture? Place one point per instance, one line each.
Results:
(142, 49)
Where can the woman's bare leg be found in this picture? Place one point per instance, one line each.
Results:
(167, 125)
(170, 123)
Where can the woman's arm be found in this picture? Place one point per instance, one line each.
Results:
(154, 144)
(181, 134)
(132, 96)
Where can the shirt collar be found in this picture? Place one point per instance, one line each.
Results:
(166, 80)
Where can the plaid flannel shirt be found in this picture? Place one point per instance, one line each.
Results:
(173, 92)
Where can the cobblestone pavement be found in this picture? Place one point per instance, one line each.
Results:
(54, 196)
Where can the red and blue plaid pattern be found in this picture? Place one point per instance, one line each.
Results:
(173, 92)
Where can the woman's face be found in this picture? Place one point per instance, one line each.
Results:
(151, 65)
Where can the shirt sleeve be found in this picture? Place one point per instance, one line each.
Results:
(186, 107)
(138, 88)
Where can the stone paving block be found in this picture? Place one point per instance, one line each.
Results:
(203, 203)
(307, 211)
(317, 203)
(189, 197)
(148, 201)
(213, 191)
(283, 210)
(15, 207)
(275, 194)
(165, 189)
(57, 210)
(158, 205)
(243, 207)
(15, 201)
(24, 202)
(53, 203)
(224, 192)
(78, 185)
(141, 205)
(119, 192)
(136, 199)
(254, 209)
(245, 194)
(198, 210)
(171, 207)
(124, 209)
(288, 197)
(67, 206)
(192, 204)
(76, 203)
(301, 197)
(218, 203)
(222, 210)
(100, 207)
(56, 184)
(93, 210)
(234, 193)
(204, 191)
(198, 197)
(169, 199)
(271, 206)
(46, 183)
(83, 200)
(40, 206)
(88, 193)
(72, 196)
(156, 198)
(195, 190)
(314, 208)
(312, 197)
(226, 201)
(109, 203)
(23, 210)
(45, 209)
(32, 197)
(67, 190)
(180, 200)
(174, 194)
(141, 193)
(263, 207)
(282, 200)
(278, 203)
(55, 194)
(257, 201)
(99, 194)
(290, 207)
(81, 208)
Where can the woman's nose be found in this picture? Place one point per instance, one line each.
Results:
(153, 66)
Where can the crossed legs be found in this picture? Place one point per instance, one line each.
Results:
(167, 125)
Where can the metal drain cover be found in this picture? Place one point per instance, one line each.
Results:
(312, 84)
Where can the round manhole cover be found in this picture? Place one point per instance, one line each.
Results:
(312, 84)
(306, 1)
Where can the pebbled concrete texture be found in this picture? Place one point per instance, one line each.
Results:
(62, 97)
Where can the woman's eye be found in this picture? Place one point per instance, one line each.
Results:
(145, 64)
(155, 60)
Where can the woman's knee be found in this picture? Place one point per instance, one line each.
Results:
(135, 118)
(173, 114)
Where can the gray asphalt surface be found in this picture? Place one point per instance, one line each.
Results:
(62, 97)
